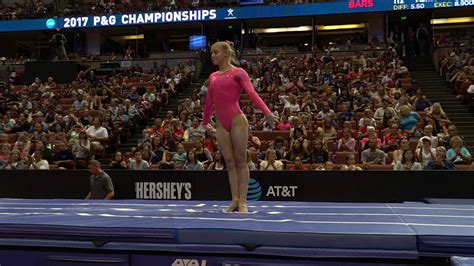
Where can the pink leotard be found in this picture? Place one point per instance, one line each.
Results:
(224, 93)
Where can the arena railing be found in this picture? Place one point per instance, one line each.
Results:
(146, 63)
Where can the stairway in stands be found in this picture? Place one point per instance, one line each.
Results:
(436, 90)
(173, 104)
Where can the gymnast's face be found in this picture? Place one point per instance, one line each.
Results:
(219, 55)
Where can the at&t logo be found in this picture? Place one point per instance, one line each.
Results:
(255, 190)
(282, 191)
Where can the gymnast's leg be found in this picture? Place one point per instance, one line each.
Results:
(239, 136)
(225, 146)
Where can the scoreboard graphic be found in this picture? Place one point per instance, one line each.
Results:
(248, 10)
(428, 4)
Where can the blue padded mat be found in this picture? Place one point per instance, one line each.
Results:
(441, 229)
(275, 228)
(450, 201)
(462, 261)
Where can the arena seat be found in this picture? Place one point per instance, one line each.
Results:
(319, 124)
(463, 167)
(422, 114)
(358, 115)
(407, 86)
(245, 102)
(264, 96)
(66, 107)
(65, 101)
(413, 144)
(189, 145)
(341, 156)
(12, 137)
(405, 80)
(271, 135)
(154, 166)
(289, 165)
(95, 113)
(330, 145)
(389, 158)
(379, 167)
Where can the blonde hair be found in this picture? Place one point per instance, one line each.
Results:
(348, 156)
(270, 152)
(437, 104)
(458, 138)
(405, 108)
(228, 47)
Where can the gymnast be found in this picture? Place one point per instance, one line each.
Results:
(225, 87)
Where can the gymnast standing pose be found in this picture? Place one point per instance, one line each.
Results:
(225, 87)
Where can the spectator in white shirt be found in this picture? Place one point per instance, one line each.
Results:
(149, 95)
(97, 135)
(138, 163)
(290, 102)
(271, 163)
(36, 161)
(428, 133)
(190, 69)
(379, 113)
(194, 132)
(81, 149)
(80, 103)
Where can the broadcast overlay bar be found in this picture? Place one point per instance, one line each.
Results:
(219, 14)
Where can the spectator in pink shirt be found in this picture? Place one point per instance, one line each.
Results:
(371, 133)
(346, 143)
(284, 124)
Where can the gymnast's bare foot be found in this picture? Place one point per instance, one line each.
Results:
(234, 206)
(243, 207)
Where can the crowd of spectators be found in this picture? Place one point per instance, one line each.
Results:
(70, 124)
(28, 9)
(456, 67)
(352, 112)
(454, 38)
(38, 8)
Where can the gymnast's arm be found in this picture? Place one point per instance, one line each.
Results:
(244, 81)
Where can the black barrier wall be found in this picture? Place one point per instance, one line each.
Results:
(62, 71)
(213, 185)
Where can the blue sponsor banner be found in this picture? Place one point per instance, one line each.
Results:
(245, 12)
(23, 25)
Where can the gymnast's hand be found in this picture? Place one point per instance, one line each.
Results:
(271, 120)
(210, 129)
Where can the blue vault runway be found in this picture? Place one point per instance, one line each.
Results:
(279, 229)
